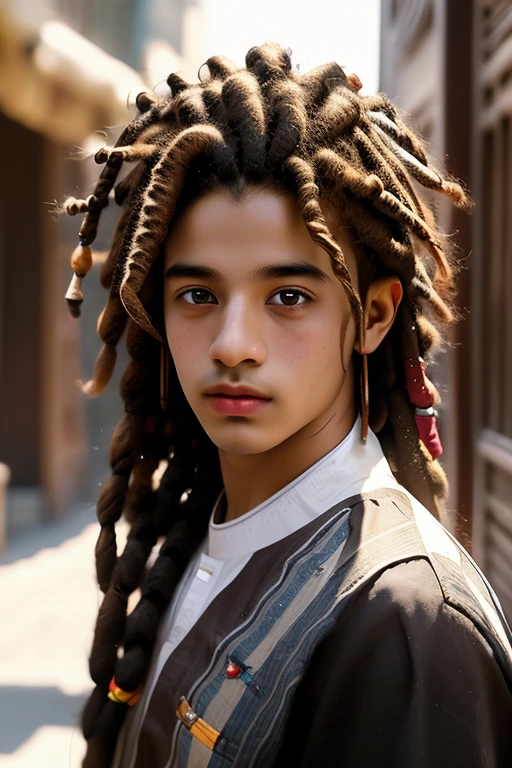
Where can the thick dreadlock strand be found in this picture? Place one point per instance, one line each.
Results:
(268, 62)
(340, 111)
(98, 200)
(375, 233)
(380, 160)
(140, 391)
(428, 335)
(116, 156)
(184, 524)
(176, 83)
(308, 194)
(124, 187)
(426, 175)
(105, 364)
(398, 200)
(144, 101)
(220, 67)
(241, 96)
(188, 107)
(119, 577)
(311, 134)
(110, 327)
(388, 203)
(212, 98)
(381, 108)
(346, 176)
(424, 286)
(157, 209)
(125, 446)
(319, 82)
(287, 125)
(108, 266)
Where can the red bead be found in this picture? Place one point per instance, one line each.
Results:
(233, 670)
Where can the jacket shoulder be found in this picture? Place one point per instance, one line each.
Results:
(391, 527)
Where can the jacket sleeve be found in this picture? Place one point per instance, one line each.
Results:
(402, 681)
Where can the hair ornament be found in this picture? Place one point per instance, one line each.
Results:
(81, 263)
(123, 697)
(422, 395)
(354, 82)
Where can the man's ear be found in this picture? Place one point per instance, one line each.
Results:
(380, 307)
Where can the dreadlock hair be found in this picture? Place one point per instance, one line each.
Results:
(317, 137)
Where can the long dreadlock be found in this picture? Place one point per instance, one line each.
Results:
(316, 136)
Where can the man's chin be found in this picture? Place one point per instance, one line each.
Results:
(243, 445)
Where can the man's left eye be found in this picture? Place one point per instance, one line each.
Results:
(290, 298)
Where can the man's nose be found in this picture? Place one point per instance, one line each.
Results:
(238, 336)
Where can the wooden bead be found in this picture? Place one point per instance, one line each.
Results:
(74, 292)
(354, 83)
(81, 259)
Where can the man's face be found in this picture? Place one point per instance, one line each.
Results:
(252, 302)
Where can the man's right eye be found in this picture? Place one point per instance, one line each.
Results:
(197, 296)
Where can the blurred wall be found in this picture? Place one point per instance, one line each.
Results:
(449, 64)
(67, 68)
(426, 69)
(492, 293)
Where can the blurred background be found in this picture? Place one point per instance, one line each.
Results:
(69, 73)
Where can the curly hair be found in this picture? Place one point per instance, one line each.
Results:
(317, 137)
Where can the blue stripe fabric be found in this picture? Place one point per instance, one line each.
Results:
(255, 726)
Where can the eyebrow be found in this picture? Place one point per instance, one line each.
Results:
(293, 269)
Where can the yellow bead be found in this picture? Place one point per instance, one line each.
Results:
(81, 259)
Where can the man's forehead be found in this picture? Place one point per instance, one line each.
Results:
(262, 225)
(218, 213)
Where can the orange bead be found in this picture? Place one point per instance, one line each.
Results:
(81, 259)
(123, 697)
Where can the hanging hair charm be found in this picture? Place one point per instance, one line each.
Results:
(364, 389)
(365, 399)
(422, 394)
(81, 263)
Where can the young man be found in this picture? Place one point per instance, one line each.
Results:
(280, 274)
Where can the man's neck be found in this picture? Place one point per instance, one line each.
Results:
(251, 479)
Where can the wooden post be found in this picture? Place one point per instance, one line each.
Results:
(5, 475)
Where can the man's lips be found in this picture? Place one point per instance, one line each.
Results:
(236, 401)
(230, 390)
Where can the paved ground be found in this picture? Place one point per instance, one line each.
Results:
(48, 604)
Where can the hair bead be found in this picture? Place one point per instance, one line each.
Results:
(354, 82)
(74, 295)
(123, 697)
(81, 260)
